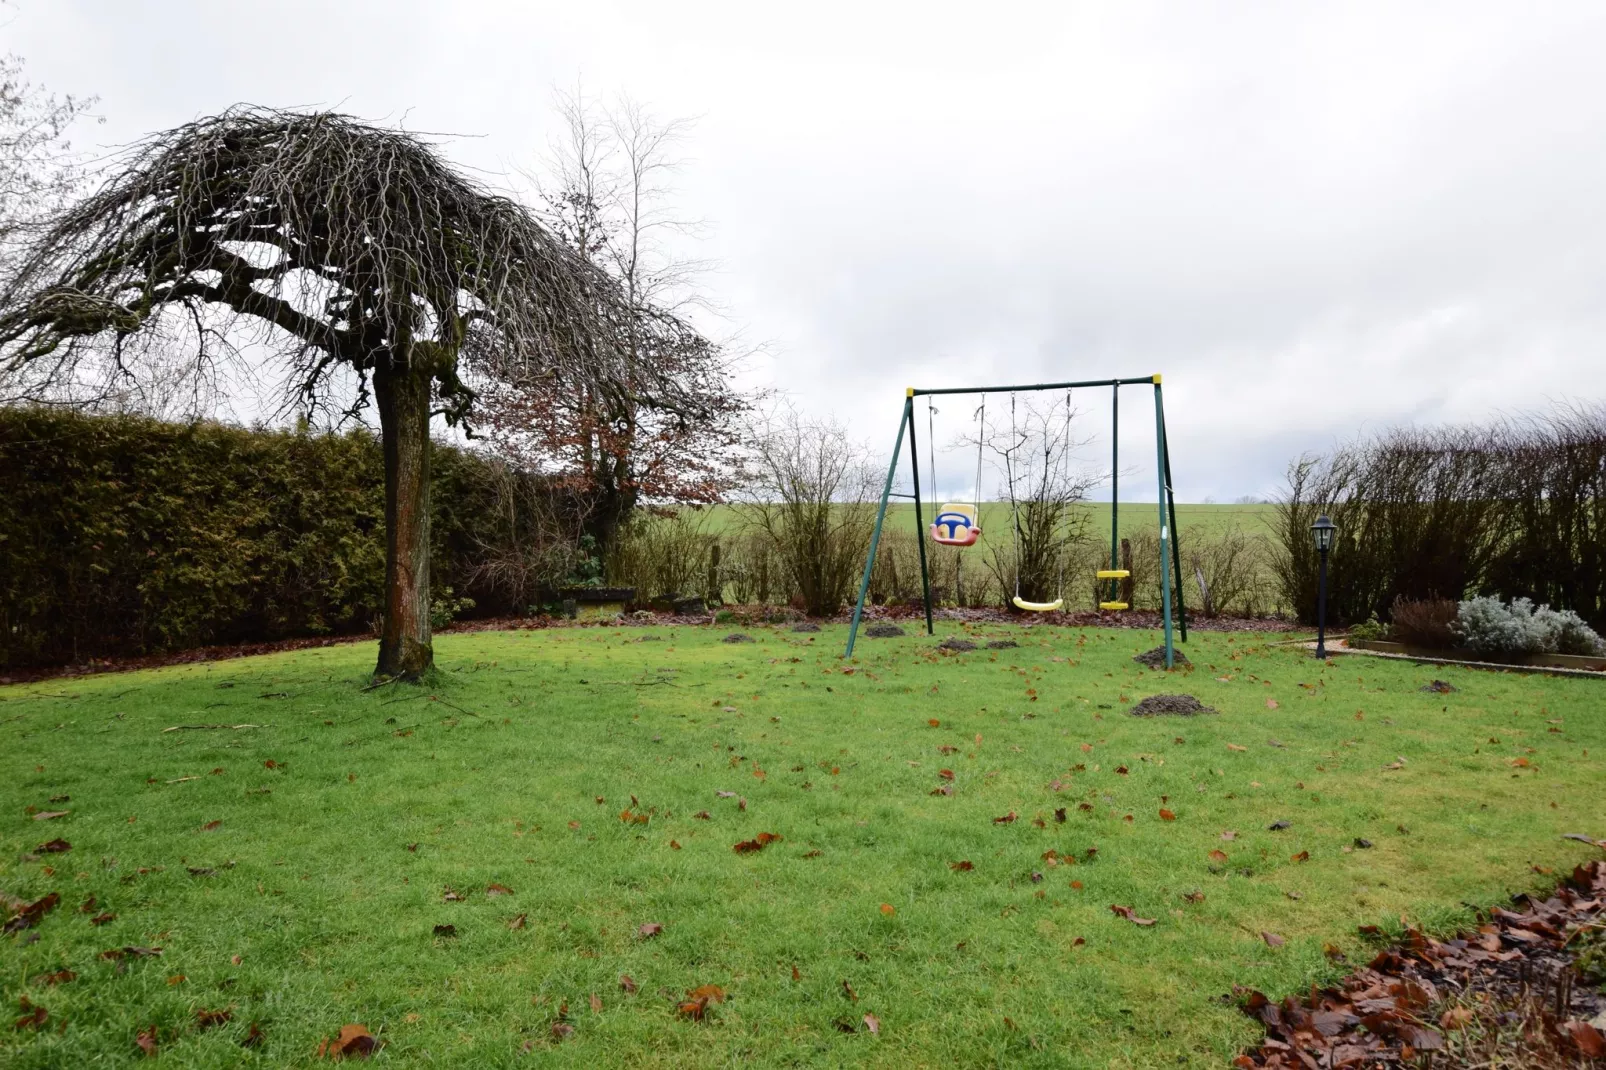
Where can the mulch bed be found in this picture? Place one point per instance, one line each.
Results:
(883, 629)
(956, 644)
(1418, 999)
(1173, 705)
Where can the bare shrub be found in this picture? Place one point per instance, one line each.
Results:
(663, 553)
(1425, 622)
(811, 498)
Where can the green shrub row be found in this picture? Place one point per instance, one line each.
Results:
(124, 535)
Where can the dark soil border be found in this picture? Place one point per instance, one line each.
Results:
(745, 616)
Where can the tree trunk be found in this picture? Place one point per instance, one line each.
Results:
(403, 401)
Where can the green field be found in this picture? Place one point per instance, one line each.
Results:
(294, 873)
(1207, 520)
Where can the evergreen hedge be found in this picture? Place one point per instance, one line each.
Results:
(124, 535)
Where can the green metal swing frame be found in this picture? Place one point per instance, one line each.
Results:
(1170, 553)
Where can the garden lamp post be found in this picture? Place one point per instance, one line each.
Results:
(1322, 531)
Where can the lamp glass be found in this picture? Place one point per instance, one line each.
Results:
(1323, 531)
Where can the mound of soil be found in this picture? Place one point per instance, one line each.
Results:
(737, 637)
(1174, 705)
(884, 629)
(1002, 644)
(1155, 659)
(806, 626)
(953, 642)
(1439, 687)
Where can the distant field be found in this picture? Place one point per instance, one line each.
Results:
(1210, 520)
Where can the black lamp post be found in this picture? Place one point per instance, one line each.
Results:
(1322, 531)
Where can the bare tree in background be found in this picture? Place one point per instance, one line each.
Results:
(1033, 452)
(38, 169)
(812, 499)
(357, 258)
(609, 192)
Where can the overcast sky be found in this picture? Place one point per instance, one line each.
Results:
(1313, 219)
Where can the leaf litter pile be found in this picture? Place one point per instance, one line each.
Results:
(1504, 994)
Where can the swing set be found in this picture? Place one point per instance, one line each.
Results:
(959, 523)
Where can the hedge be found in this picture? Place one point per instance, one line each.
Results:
(124, 535)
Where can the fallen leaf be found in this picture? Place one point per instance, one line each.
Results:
(253, 1036)
(518, 922)
(1059, 815)
(946, 774)
(1278, 826)
(1303, 856)
(102, 918)
(963, 866)
(652, 928)
(33, 1016)
(60, 977)
(674, 845)
(847, 990)
(1455, 1018)
(1006, 819)
(46, 815)
(596, 1003)
(498, 889)
(1077, 885)
(702, 815)
(30, 915)
(1520, 763)
(449, 896)
(1229, 834)
(177, 979)
(627, 984)
(1234, 746)
(1130, 915)
(446, 930)
(1167, 815)
(206, 1019)
(1219, 857)
(1271, 704)
(561, 1031)
(270, 764)
(147, 1041)
(1195, 896)
(888, 909)
(354, 1041)
(1588, 1039)
(933, 722)
(211, 826)
(873, 1024)
(758, 843)
(796, 975)
(1272, 939)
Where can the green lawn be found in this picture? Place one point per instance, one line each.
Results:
(515, 768)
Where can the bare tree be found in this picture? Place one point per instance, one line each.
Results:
(608, 191)
(38, 170)
(1034, 454)
(340, 248)
(812, 499)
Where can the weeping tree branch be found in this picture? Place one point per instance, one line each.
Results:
(350, 250)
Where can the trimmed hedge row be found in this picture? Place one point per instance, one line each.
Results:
(124, 535)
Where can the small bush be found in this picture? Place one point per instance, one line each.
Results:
(1493, 628)
(1369, 630)
(1427, 622)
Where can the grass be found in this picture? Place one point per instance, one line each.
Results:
(514, 767)
(1209, 521)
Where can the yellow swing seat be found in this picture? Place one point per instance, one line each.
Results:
(1113, 573)
(1113, 605)
(1037, 607)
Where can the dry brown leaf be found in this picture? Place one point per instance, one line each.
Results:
(962, 866)
(1272, 939)
(147, 1041)
(354, 1042)
(46, 815)
(847, 990)
(1303, 856)
(495, 890)
(650, 929)
(596, 1003)
(1219, 857)
(888, 909)
(627, 984)
(1167, 815)
(1130, 915)
(207, 1019)
(1234, 746)
(518, 922)
(873, 1024)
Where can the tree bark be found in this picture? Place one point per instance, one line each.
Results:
(402, 397)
